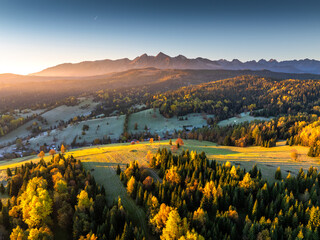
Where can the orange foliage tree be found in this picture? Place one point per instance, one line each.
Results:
(52, 152)
(63, 149)
(173, 176)
(180, 142)
(41, 154)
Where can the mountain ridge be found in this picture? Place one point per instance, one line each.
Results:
(163, 61)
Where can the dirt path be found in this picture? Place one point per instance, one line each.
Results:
(154, 175)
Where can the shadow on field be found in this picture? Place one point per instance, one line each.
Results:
(107, 164)
(211, 150)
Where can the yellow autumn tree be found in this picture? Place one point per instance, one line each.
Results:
(199, 216)
(172, 230)
(60, 185)
(228, 164)
(160, 219)
(173, 176)
(36, 203)
(193, 155)
(18, 234)
(90, 236)
(300, 235)
(149, 156)
(56, 158)
(210, 190)
(83, 201)
(131, 186)
(154, 206)
(233, 172)
(246, 182)
(232, 213)
(39, 234)
(314, 219)
(192, 236)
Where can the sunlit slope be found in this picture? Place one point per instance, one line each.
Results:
(268, 159)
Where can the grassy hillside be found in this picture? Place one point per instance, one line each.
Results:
(157, 123)
(53, 117)
(241, 118)
(268, 159)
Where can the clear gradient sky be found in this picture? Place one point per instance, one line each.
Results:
(35, 34)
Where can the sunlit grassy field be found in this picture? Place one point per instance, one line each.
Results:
(267, 159)
(103, 160)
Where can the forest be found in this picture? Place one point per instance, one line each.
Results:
(229, 97)
(202, 199)
(61, 198)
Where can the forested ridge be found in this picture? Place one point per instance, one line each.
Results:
(232, 96)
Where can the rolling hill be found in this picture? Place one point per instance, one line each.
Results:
(23, 91)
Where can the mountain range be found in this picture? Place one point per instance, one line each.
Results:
(163, 61)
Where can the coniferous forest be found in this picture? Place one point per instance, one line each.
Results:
(202, 199)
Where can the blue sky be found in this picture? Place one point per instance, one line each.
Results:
(38, 34)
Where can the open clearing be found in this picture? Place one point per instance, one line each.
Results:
(267, 159)
(157, 123)
(65, 113)
(243, 117)
(27, 112)
(98, 128)
(53, 117)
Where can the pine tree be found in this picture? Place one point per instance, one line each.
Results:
(112, 233)
(277, 175)
(255, 210)
(118, 170)
(9, 173)
(127, 232)
(63, 149)
(132, 187)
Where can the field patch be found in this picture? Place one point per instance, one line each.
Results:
(156, 123)
(267, 159)
(53, 117)
(105, 158)
(243, 117)
(98, 128)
